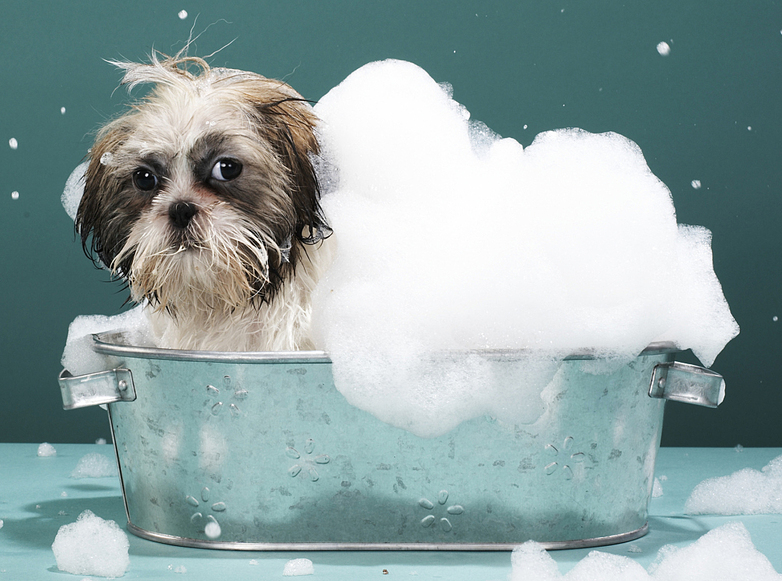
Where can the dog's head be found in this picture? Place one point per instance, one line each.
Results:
(204, 192)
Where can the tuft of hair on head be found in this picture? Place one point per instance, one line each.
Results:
(171, 70)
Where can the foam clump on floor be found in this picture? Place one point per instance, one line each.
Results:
(747, 491)
(46, 450)
(296, 567)
(95, 465)
(724, 554)
(452, 238)
(92, 546)
(78, 356)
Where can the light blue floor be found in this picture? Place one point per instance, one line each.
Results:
(37, 496)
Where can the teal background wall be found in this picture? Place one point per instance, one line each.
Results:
(710, 110)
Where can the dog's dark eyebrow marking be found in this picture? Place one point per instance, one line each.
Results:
(157, 163)
(205, 149)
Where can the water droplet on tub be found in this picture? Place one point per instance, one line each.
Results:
(212, 529)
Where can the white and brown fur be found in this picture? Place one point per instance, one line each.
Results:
(223, 265)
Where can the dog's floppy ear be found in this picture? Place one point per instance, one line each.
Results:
(101, 216)
(288, 123)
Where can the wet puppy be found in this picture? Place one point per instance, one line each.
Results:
(203, 198)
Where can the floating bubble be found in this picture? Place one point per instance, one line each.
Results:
(13, 144)
(62, 110)
(664, 48)
(696, 184)
(182, 14)
(775, 318)
(14, 195)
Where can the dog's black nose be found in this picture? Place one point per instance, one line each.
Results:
(180, 213)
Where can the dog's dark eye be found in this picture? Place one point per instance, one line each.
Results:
(144, 179)
(226, 169)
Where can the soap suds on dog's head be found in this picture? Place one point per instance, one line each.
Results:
(451, 238)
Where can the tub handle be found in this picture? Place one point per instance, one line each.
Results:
(96, 388)
(687, 383)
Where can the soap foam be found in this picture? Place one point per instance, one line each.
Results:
(724, 554)
(747, 491)
(296, 567)
(78, 356)
(95, 466)
(452, 239)
(46, 450)
(92, 546)
(74, 190)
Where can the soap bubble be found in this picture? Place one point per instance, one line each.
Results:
(664, 48)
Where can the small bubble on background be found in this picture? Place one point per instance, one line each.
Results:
(749, 127)
(13, 143)
(664, 48)
(696, 184)
(775, 318)
(62, 110)
(182, 14)
(14, 195)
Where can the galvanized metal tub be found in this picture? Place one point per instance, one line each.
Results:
(259, 451)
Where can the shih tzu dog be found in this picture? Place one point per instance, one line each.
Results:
(204, 199)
